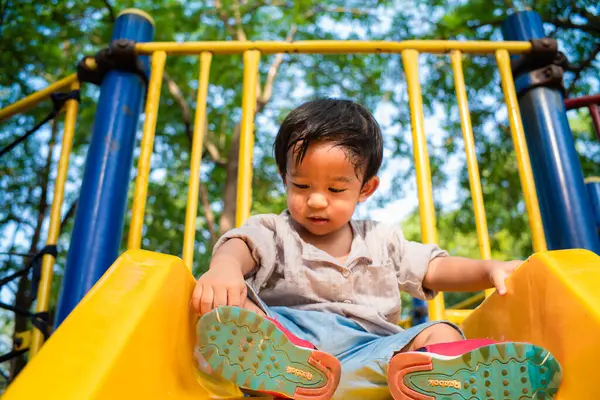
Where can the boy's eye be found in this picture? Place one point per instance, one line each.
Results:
(299, 186)
(333, 190)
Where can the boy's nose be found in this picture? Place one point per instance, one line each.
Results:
(317, 200)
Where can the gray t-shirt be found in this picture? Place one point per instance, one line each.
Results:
(366, 288)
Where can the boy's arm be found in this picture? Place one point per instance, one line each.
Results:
(223, 283)
(458, 274)
(234, 254)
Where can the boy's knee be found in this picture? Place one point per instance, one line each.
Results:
(438, 333)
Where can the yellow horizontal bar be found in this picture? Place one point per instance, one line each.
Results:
(244, 182)
(195, 161)
(134, 240)
(332, 46)
(44, 288)
(457, 316)
(520, 145)
(469, 302)
(32, 100)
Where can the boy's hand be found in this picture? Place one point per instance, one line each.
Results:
(221, 285)
(499, 271)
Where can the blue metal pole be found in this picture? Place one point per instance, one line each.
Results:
(102, 202)
(419, 311)
(593, 187)
(564, 202)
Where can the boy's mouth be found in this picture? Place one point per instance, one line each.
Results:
(318, 220)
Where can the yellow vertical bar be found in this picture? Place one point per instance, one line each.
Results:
(472, 166)
(410, 60)
(43, 295)
(244, 183)
(518, 138)
(196, 160)
(141, 182)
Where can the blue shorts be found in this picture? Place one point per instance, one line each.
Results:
(364, 356)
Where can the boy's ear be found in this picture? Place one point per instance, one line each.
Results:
(368, 188)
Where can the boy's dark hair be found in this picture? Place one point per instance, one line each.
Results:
(342, 122)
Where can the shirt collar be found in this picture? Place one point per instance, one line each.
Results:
(358, 249)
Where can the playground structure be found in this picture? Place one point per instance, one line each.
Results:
(124, 325)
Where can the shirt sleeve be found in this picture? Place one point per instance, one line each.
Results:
(411, 261)
(259, 234)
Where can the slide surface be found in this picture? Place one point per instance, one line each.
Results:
(133, 336)
(554, 302)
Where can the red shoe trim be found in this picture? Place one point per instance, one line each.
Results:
(291, 337)
(458, 348)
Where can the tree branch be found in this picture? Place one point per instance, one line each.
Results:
(208, 213)
(239, 30)
(224, 17)
(583, 65)
(267, 91)
(568, 24)
(177, 94)
(210, 148)
(214, 152)
(70, 213)
(17, 219)
(111, 10)
(481, 24)
(344, 10)
(236, 29)
(593, 19)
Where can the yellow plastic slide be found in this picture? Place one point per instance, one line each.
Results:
(554, 302)
(132, 336)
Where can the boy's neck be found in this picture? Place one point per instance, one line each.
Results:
(337, 244)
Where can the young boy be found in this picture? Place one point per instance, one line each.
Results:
(306, 304)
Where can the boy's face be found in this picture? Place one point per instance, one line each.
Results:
(323, 190)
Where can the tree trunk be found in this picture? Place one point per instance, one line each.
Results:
(227, 220)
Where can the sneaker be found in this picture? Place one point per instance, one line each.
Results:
(260, 355)
(481, 369)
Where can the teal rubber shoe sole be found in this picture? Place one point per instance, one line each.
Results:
(250, 350)
(499, 371)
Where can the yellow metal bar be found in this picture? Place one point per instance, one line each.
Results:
(457, 316)
(405, 323)
(196, 160)
(44, 288)
(32, 100)
(472, 166)
(141, 182)
(468, 302)
(518, 138)
(410, 60)
(332, 46)
(244, 183)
